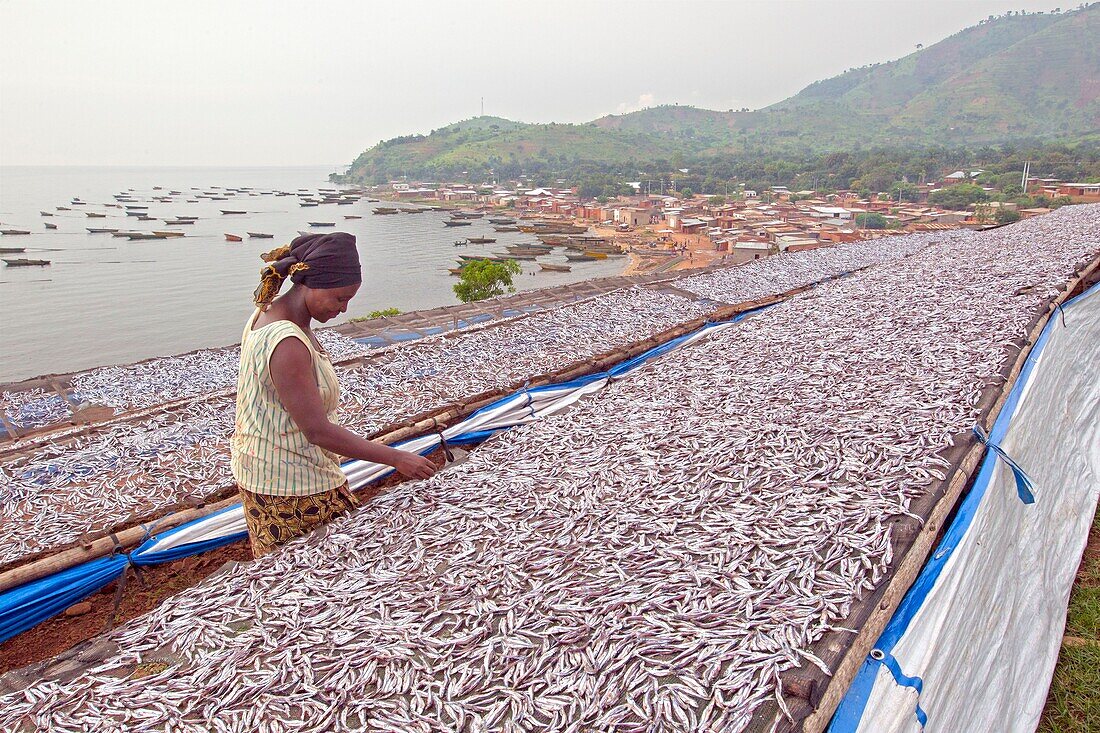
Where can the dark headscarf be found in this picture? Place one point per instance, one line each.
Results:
(314, 260)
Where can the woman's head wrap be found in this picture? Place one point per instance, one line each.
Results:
(314, 260)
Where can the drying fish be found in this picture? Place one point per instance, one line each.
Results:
(652, 559)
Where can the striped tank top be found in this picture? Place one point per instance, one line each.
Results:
(270, 455)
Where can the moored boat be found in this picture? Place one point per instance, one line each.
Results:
(233, 238)
(551, 267)
(579, 257)
(178, 222)
(481, 240)
(141, 236)
(352, 216)
(167, 235)
(501, 220)
(51, 226)
(12, 250)
(25, 263)
(232, 211)
(260, 235)
(45, 213)
(322, 223)
(383, 210)
(94, 215)
(456, 223)
(14, 232)
(94, 230)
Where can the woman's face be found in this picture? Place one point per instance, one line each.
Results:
(324, 304)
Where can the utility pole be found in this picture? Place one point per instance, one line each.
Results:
(483, 106)
(1024, 177)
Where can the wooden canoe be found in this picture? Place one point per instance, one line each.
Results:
(260, 235)
(25, 263)
(233, 238)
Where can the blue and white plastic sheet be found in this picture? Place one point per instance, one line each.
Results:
(974, 643)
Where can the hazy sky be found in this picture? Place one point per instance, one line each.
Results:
(226, 82)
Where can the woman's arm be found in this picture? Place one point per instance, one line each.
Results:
(291, 366)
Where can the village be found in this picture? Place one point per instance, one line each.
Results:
(669, 232)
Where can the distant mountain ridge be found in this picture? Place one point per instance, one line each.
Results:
(1034, 76)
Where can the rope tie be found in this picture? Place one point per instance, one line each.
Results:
(120, 589)
(915, 683)
(443, 441)
(1024, 485)
(1062, 311)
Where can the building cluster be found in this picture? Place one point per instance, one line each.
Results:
(752, 225)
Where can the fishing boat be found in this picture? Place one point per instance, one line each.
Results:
(187, 218)
(14, 232)
(352, 216)
(143, 208)
(167, 235)
(506, 229)
(141, 236)
(260, 235)
(94, 215)
(12, 250)
(473, 258)
(456, 223)
(527, 252)
(123, 233)
(63, 208)
(233, 238)
(595, 255)
(514, 256)
(481, 240)
(51, 226)
(468, 214)
(45, 213)
(454, 270)
(501, 220)
(135, 213)
(462, 242)
(383, 210)
(307, 204)
(322, 223)
(146, 218)
(579, 257)
(232, 211)
(25, 263)
(93, 230)
(178, 222)
(554, 268)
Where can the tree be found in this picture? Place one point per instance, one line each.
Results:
(686, 193)
(904, 191)
(716, 200)
(959, 196)
(1006, 216)
(870, 220)
(483, 279)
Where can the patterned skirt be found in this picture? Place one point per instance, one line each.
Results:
(275, 520)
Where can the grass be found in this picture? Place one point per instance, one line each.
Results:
(1073, 703)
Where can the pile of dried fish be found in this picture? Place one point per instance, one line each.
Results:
(651, 560)
(790, 270)
(172, 378)
(32, 408)
(57, 493)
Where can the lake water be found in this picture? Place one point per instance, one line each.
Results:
(107, 300)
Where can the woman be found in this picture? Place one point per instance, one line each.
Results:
(286, 447)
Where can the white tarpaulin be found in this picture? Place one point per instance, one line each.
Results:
(973, 645)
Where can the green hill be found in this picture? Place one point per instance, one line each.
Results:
(1011, 78)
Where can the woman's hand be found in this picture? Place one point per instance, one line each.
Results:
(413, 465)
